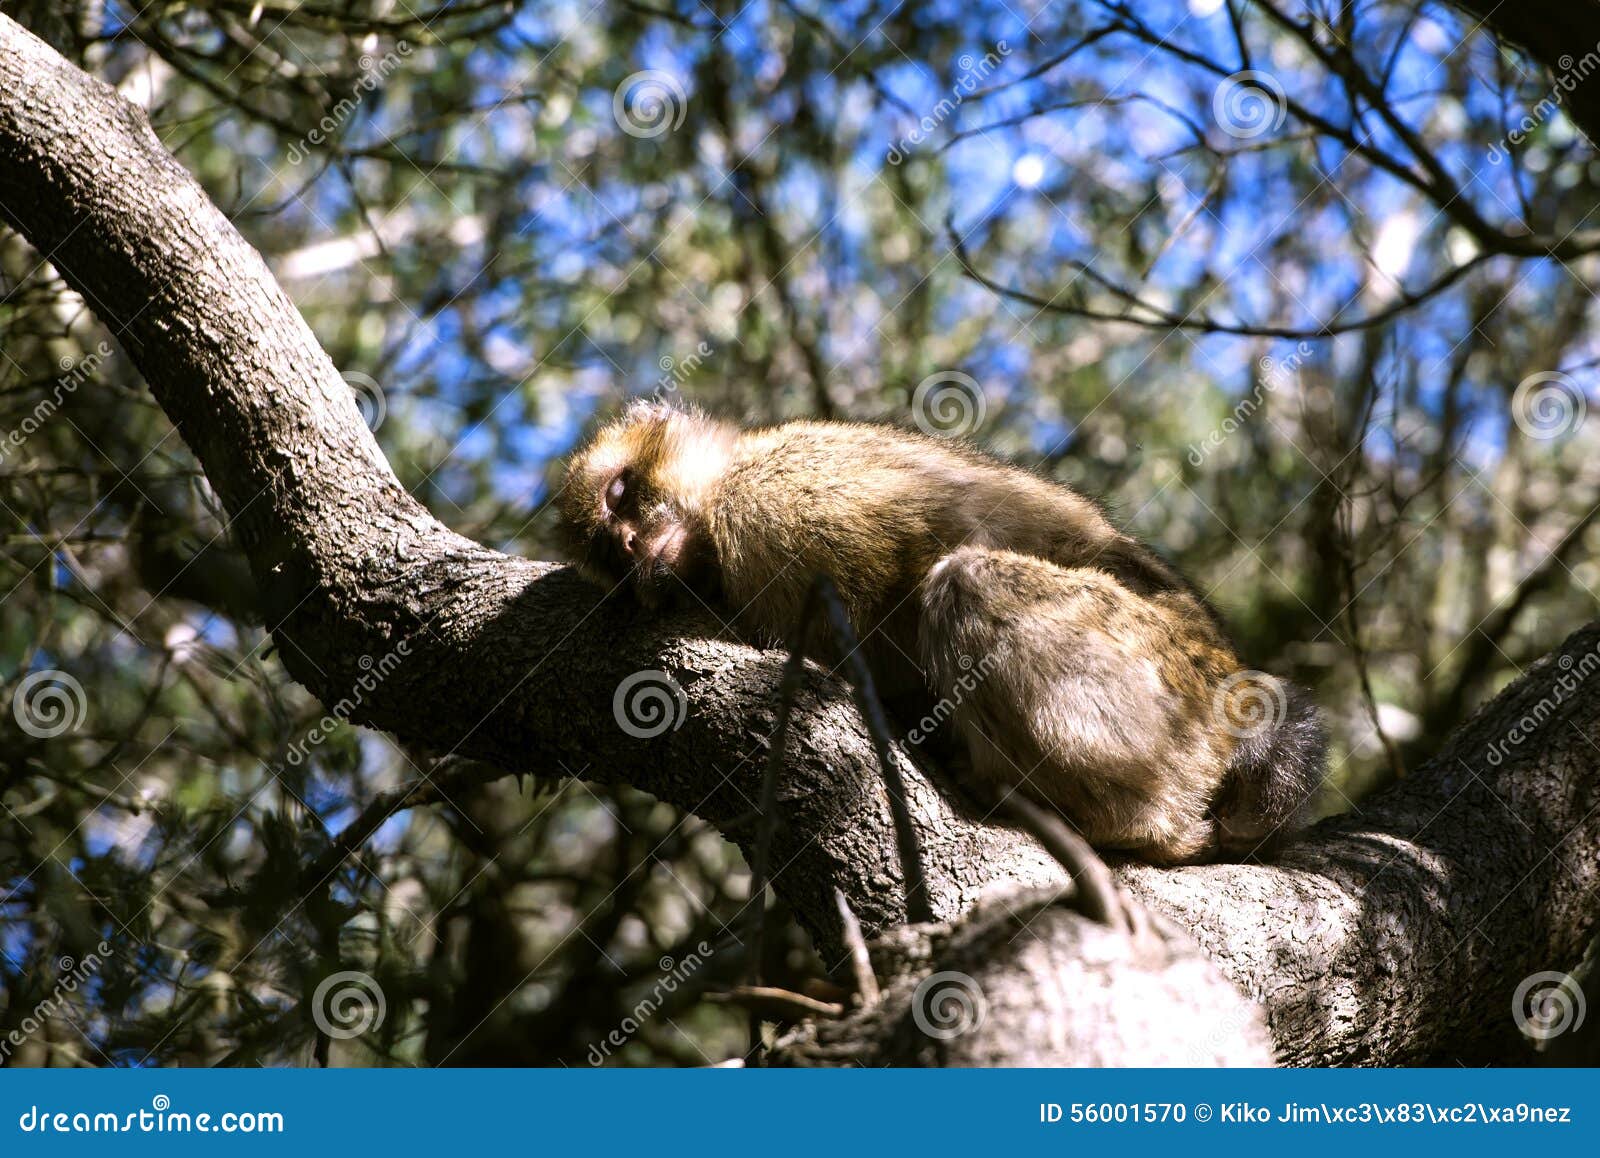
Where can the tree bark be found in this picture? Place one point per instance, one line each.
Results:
(1396, 934)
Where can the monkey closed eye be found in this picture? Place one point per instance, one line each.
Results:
(616, 492)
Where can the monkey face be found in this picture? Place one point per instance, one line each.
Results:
(633, 498)
(641, 538)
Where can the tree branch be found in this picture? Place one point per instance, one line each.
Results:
(1394, 934)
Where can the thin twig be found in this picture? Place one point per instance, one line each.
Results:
(1344, 526)
(769, 1002)
(1358, 653)
(793, 670)
(866, 980)
(435, 785)
(918, 908)
(1096, 895)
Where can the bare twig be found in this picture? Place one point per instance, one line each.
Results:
(1159, 318)
(1095, 893)
(788, 686)
(1358, 653)
(765, 1001)
(866, 981)
(918, 908)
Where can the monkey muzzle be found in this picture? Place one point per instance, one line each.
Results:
(658, 563)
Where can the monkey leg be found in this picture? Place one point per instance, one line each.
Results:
(1088, 697)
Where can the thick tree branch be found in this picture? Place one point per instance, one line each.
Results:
(1395, 934)
(453, 647)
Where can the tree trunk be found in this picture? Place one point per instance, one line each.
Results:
(1397, 934)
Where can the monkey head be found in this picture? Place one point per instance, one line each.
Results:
(636, 500)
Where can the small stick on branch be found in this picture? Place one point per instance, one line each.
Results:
(768, 807)
(866, 981)
(439, 782)
(1095, 892)
(918, 908)
(765, 1001)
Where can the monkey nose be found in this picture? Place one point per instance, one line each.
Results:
(630, 540)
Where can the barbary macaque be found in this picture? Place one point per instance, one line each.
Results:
(1076, 666)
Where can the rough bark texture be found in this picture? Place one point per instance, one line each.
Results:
(1026, 981)
(1397, 934)
(1400, 933)
(512, 661)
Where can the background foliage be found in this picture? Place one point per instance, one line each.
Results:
(1243, 271)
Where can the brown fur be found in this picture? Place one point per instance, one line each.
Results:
(1098, 669)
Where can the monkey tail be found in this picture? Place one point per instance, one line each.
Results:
(1275, 771)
